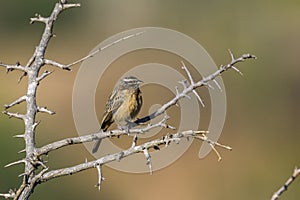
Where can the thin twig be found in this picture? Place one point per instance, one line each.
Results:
(16, 66)
(38, 18)
(44, 75)
(56, 64)
(66, 5)
(31, 59)
(188, 73)
(199, 98)
(102, 48)
(19, 136)
(15, 115)
(45, 110)
(67, 67)
(284, 188)
(217, 84)
(148, 158)
(10, 195)
(100, 177)
(15, 163)
(22, 76)
(134, 140)
(18, 101)
(203, 137)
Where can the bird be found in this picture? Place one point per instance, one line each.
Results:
(122, 106)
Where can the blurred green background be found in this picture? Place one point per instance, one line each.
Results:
(262, 123)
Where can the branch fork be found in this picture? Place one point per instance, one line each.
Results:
(100, 177)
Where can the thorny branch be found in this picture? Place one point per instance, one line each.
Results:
(32, 69)
(101, 135)
(193, 85)
(164, 141)
(36, 171)
(284, 188)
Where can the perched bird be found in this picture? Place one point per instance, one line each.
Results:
(122, 106)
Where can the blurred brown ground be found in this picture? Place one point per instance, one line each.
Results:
(262, 123)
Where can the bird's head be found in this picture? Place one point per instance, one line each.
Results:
(130, 81)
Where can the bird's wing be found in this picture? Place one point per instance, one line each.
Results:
(114, 102)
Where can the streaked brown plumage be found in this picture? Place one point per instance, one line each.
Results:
(122, 106)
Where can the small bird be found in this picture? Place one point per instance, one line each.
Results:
(122, 106)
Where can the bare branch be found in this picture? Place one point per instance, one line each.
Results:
(45, 110)
(29, 63)
(44, 75)
(102, 48)
(134, 140)
(216, 152)
(66, 5)
(28, 187)
(132, 150)
(33, 162)
(39, 18)
(192, 83)
(203, 137)
(237, 70)
(32, 58)
(22, 151)
(100, 177)
(184, 83)
(16, 115)
(22, 76)
(188, 89)
(19, 136)
(67, 67)
(35, 124)
(15, 163)
(18, 101)
(100, 135)
(16, 66)
(21, 189)
(217, 84)
(32, 68)
(10, 195)
(187, 72)
(148, 158)
(56, 64)
(209, 85)
(199, 98)
(295, 174)
(22, 174)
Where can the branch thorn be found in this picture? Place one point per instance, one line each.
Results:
(148, 158)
